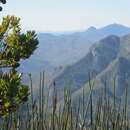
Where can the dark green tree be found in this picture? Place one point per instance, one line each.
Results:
(14, 46)
(3, 2)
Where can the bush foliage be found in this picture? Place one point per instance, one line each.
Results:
(14, 46)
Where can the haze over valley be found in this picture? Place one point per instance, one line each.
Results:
(58, 51)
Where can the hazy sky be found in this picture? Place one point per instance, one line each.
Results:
(62, 15)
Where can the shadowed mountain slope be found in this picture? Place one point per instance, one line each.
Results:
(97, 60)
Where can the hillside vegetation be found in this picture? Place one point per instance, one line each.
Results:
(103, 114)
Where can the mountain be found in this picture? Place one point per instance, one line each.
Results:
(105, 61)
(59, 51)
(94, 34)
(115, 29)
(117, 73)
(98, 58)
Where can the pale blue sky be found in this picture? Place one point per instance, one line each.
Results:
(63, 15)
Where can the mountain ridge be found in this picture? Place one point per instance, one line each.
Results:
(63, 50)
(104, 50)
(106, 63)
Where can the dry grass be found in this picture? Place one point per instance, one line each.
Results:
(38, 115)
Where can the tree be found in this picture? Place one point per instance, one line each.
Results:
(3, 2)
(14, 46)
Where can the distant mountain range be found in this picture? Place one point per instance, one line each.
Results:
(105, 61)
(55, 51)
